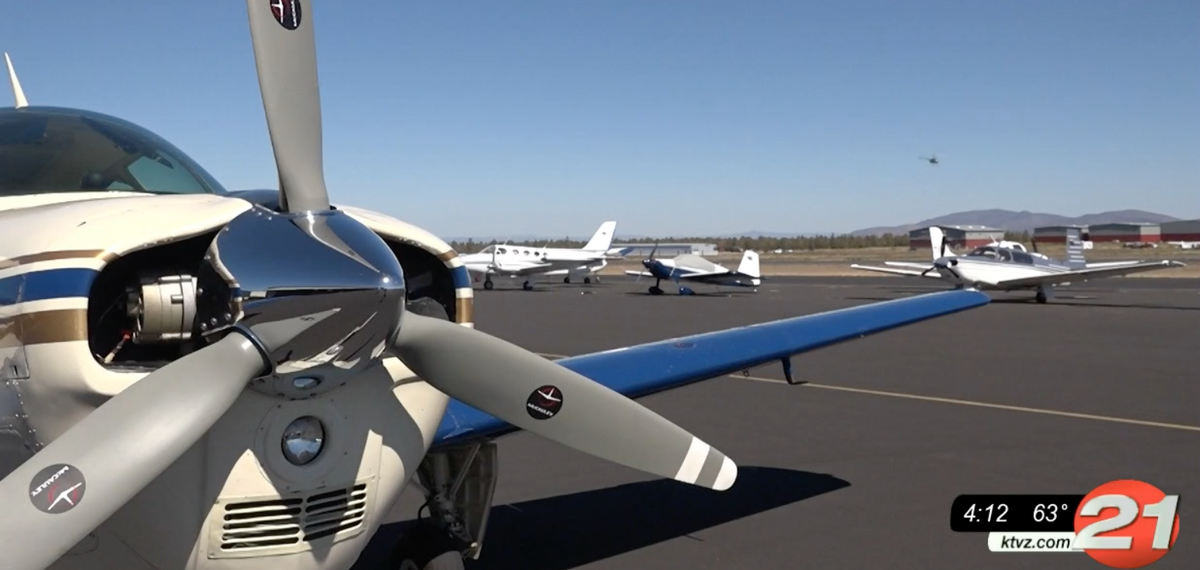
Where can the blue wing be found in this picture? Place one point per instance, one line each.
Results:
(647, 368)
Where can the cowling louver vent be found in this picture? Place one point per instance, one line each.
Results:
(289, 524)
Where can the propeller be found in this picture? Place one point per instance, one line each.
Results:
(941, 255)
(267, 280)
(71, 486)
(499, 378)
(647, 263)
(944, 265)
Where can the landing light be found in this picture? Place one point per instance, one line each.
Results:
(303, 440)
(305, 382)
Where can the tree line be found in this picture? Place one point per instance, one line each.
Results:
(831, 241)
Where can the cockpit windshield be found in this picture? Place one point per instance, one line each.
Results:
(985, 251)
(47, 150)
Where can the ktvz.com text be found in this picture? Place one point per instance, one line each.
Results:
(1031, 542)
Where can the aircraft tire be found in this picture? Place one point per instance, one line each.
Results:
(587, 280)
(566, 280)
(426, 548)
(488, 284)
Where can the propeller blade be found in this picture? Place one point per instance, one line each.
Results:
(285, 54)
(549, 400)
(92, 470)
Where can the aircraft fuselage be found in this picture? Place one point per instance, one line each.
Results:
(66, 260)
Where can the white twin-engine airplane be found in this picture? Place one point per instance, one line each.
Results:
(506, 260)
(193, 378)
(1005, 268)
(692, 268)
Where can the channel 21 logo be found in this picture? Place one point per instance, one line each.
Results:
(1126, 523)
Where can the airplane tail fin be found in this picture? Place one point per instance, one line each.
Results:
(749, 264)
(603, 237)
(1075, 258)
(937, 243)
(18, 93)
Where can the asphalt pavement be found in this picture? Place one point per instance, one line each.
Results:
(858, 468)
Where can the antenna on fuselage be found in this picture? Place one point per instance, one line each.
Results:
(18, 93)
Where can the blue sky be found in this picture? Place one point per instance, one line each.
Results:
(689, 117)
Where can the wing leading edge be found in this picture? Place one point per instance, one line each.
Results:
(905, 272)
(648, 368)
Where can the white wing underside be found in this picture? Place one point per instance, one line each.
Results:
(905, 272)
(1090, 273)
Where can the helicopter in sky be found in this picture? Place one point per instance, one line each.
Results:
(932, 159)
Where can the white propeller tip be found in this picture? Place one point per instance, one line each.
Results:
(726, 476)
(706, 467)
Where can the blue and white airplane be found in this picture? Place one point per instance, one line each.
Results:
(1000, 268)
(691, 268)
(198, 379)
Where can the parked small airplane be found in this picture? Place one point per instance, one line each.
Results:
(506, 260)
(939, 247)
(692, 268)
(996, 268)
(198, 379)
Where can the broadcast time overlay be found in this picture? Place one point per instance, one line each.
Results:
(1120, 524)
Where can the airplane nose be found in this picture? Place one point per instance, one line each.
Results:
(945, 265)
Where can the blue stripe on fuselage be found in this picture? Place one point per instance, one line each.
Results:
(46, 284)
(660, 271)
(462, 277)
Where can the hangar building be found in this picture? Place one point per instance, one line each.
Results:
(957, 236)
(1125, 232)
(665, 249)
(1183, 230)
(1057, 234)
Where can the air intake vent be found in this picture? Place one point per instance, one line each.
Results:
(289, 524)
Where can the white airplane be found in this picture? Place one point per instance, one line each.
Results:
(991, 267)
(939, 248)
(692, 268)
(221, 380)
(523, 261)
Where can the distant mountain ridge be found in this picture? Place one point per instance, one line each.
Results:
(1020, 221)
(995, 218)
